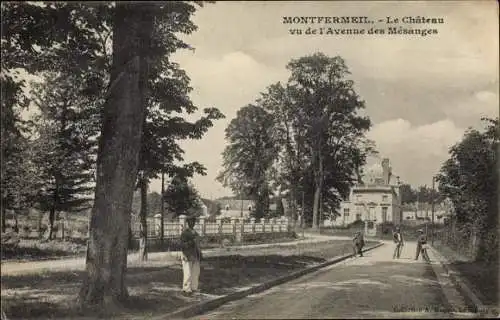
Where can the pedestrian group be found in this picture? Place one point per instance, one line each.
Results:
(422, 247)
(191, 255)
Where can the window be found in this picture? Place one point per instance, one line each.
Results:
(346, 212)
(358, 197)
(227, 207)
(358, 216)
(385, 198)
(384, 214)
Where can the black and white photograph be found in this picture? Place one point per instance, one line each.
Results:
(250, 159)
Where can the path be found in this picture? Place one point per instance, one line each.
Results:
(156, 258)
(374, 286)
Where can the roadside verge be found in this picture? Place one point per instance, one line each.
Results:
(154, 258)
(208, 305)
(467, 302)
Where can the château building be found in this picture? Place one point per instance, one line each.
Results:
(375, 201)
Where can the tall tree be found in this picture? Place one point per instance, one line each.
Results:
(249, 156)
(321, 130)
(118, 155)
(291, 160)
(408, 194)
(167, 102)
(64, 147)
(37, 37)
(13, 147)
(181, 198)
(469, 179)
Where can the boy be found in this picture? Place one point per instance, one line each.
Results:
(422, 245)
(398, 240)
(191, 257)
(358, 244)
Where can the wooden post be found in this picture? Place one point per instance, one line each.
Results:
(157, 226)
(202, 226)
(219, 230)
(182, 222)
(233, 224)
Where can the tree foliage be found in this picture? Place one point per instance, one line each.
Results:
(64, 146)
(421, 194)
(248, 158)
(181, 198)
(469, 179)
(48, 39)
(320, 133)
(114, 59)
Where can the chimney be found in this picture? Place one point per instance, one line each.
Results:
(386, 171)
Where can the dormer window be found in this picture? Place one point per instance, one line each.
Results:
(227, 207)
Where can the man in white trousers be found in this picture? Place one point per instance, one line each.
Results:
(191, 257)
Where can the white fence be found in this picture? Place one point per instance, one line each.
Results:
(236, 227)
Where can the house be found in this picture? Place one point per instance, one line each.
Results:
(376, 200)
(423, 212)
(237, 208)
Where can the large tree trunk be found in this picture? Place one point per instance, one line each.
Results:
(143, 248)
(317, 192)
(40, 224)
(293, 204)
(16, 222)
(52, 216)
(119, 146)
(4, 218)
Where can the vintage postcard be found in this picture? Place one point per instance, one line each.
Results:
(250, 159)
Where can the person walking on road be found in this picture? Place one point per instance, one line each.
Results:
(422, 246)
(191, 257)
(358, 243)
(398, 240)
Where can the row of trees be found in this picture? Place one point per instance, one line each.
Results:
(303, 140)
(422, 194)
(469, 178)
(110, 116)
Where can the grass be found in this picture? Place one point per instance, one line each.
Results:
(481, 277)
(156, 290)
(36, 250)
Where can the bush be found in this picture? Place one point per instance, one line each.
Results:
(386, 227)
(488, 250)
(10, 240)
(266, 237)
(356, 224)
(226, 220)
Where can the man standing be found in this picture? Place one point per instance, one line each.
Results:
(358, 243)
(422, 245)
(398, 240)
(191, 257)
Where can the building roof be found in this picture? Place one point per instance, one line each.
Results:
(235, 203)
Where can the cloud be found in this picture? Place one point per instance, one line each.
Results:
(416, 152)
(228, 83)
(421, 92)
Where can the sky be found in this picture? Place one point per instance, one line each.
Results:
(421, 93)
